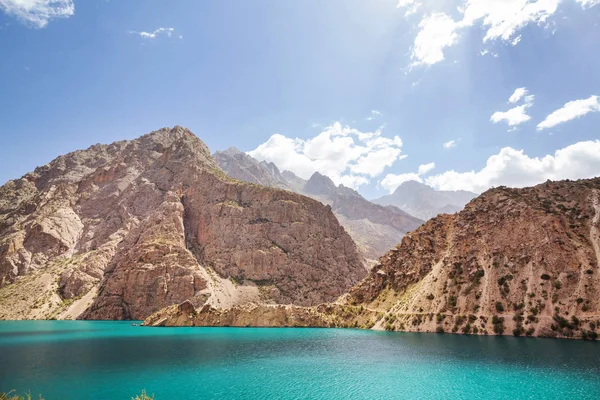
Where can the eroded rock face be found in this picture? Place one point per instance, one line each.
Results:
(153, 222)
(374, 228)
(514, 261)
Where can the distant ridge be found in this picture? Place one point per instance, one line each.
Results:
(424, 202)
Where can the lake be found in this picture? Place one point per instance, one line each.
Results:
(66, 360)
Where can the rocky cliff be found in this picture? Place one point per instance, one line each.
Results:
(513, 262)
(374, 228)
(119, 231)
(425, 202)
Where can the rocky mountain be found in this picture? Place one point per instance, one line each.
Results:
(513, 262)
(424, 202)
(373, 227)
(122, 230)
(245, 168)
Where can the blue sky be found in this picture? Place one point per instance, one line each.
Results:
(367, 92)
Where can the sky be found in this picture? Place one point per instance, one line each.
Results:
(457, 94)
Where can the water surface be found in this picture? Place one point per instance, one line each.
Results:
(66, 360)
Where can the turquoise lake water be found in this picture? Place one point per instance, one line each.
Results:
(66, 360)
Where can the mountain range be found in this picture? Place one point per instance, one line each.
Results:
(154, 229)
(374, 228)
(513, 262)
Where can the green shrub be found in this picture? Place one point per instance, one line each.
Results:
(440, 329)
(517, 332)
(530, 331)
(557, 285)
(545, 277)
(452, 301)
(499, 306)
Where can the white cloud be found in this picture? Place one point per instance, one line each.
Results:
(158, 32)
(37, 13)
(514, 168)
(374, 114)
(516, 115)
(588, 3)
(436, 32)
(411, 6)
(425, 168)
(392, 181)
(504, 18)
(501, 20)
(518, 95)
(571, 110)
(347, 155)
(450, 144)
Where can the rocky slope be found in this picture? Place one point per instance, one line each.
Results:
(119, 231)
(514, 262)
(425, 202)
(374, 228)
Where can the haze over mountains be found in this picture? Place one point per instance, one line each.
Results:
(424, 202)
(375, 228)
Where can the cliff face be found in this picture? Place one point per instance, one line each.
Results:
(374, 228)
(513, 262)
(119, 231)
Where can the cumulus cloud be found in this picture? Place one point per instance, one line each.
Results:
(348, 156)
(37, 13)
(571, 110)
(392, 181)
(516, 115)
(500, 19)
(436, 32)
(514, 168)
(450, 144)
(153, 35)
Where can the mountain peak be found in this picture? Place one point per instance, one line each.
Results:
(320, 184)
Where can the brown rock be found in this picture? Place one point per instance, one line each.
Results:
(153, 222)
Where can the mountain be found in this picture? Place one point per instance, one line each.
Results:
(373, 227)
(245, 168)
(425, 202)
(514, 262)
(122, 230)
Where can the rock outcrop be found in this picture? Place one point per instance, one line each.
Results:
(120, 231)
(425, 202)
(374, 228)
(513, 262)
